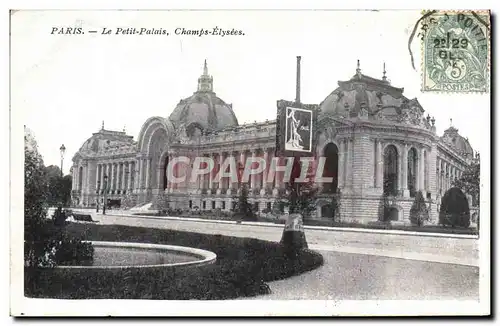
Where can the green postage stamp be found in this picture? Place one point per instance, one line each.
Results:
(456, 51)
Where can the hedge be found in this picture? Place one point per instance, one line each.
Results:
(243, 266)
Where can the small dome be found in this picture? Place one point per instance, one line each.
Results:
(461, 144)
(105, 140)
(366, 92)
(204, 108)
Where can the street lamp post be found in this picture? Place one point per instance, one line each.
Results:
(105, 189)
(62, 149)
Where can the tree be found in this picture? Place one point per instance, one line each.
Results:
(243, 208)
(454, 209)
(302, 198)
(35, 208)
(45, 241)
(419, 212)
(59, 187)
(469, 182)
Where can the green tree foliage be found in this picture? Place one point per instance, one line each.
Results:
(469, 182)
(454, 210)
(419, 213)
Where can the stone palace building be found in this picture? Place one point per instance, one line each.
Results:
(377, 143)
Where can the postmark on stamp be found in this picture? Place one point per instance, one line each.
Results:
(456, 51)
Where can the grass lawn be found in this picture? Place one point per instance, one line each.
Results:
(242, 268)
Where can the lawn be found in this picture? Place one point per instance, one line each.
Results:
(243, 266)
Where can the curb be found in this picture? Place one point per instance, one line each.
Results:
(306, 227)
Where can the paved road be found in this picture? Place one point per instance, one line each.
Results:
(434, 249)
(346, 276)
(358, 265)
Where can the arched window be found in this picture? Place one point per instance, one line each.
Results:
(391, 171)
(331, 153)
(412, 171)
(80, 178)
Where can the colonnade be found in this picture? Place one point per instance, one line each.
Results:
(446, 173)
(421, 173)
(211, 184)
(120, 176)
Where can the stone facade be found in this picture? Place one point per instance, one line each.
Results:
(379, 147)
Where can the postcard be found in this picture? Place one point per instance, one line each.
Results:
(250, 162)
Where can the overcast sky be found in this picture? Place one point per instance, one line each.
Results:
(64, 86)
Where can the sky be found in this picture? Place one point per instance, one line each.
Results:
(64, 86)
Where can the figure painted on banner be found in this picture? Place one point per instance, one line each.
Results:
(295, 138)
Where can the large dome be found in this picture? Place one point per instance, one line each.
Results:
(204, 108)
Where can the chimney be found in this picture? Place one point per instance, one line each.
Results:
(297, 88)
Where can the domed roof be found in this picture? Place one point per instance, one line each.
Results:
(361, 91)
(461, 144)
(204, 108)
(106, 141)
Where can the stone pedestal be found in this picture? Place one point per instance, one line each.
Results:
(293, 237)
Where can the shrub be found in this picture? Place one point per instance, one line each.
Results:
(454, 210)
(419, 212)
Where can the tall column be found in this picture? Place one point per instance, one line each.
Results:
(253, 176)
(140, 184)
(84, 178)
(101, 175)
(148, 172)
(115, 176)
(427, 170)
(130, 171)
(448, 170)
(379, 182)
(341, 172)
(219, 172)
(118, 174)
(97, 168)
(231, 184)
(73, 183)
(266, 170)
(113, 169)
(401, 174)
(123, 185)
(421, 172)
(242, 164)
(438, 175)
(406, 192)
(211, 175)
(348, 165)
(443, 177)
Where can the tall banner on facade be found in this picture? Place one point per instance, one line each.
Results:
(295, 129)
